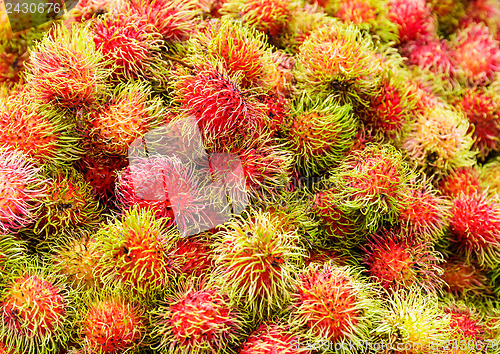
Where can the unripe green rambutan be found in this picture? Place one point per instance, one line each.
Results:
(129, 113)
(268, 16)
(135, 252)
(373, 182)
(66, 69)
(398, 260)
(440, 140)
(35, 309)
(475, 227)
(44, 133)
(410, 317)
(129, 43)
(460, 180)
(463, 278)
(22, 189)
(320, 133)
(195, 318)
(335, 304)
(69, 204)
(256, 261)
(338, 61)
(490, 176)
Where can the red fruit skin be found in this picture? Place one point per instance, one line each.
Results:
(464, 324)
(461, 277)
(462, 180)
(101, 172)
(272, 338)
(194, 256)
(433, 55)
(356, 11)
(414, 19)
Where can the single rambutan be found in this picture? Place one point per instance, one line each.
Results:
(463, 278)
(66, 69)
(440, 140)
(280, 81)
(461, 180)
(320, 132)
(338, 61)
(476, 54)
(35, 310)
(193, 255)
(22, 189)
(44, 133)
(490, 176)
(481, 109)
(256, 260)
(177, 324)
(398, 260)
(334, 303)
(266, 16)
(135, 252)
(475, 227)
(432, 55)
(274, 337)
(373, 182)
(466, 323)
(68, 205)
(175, 20)
(277, 108)
(413, 18)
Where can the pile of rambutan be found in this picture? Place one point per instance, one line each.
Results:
(250, 177)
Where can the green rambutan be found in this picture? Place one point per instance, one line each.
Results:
(66, 69)
(449, 14)
(398, 260)
(135, 252)
(335, 304)
(490, 176)
(195, 318)
(463, 278)
(22, 189)
(338, 61)
(256, 259)
(460, 180)
(319, 133)
(12, 251)
(475, 227)
(413, 18)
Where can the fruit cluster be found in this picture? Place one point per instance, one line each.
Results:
(355, 144)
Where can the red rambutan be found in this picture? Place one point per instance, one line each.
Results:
(433, 55)
(460, 180)
(413, 18)
(462, 278)
(193, 255)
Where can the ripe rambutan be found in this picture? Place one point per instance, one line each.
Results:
(490, 176)
(66, 69)
(340, 257)
(399, 260)
(334, 303)
(129, 43)
(128, 114)
(35, 310)
(440, 140)
(466, 322)
(177, 324)
(476, 54)
(413, 18)
(22, 189)
(475, 227)
(464, 278)
(320, 133)
(280, 81)
(135, 252)
(256, 260)
(268, 16)
(432, 55)
(481, 109)
(193, 255)
(85, 10)
(460, 180)
(338, 61)
(43, 133)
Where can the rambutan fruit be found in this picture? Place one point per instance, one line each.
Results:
(411, 317)
(66, 69)
(426, 212)
(449, 14)
(490, 176)
(466, 323)
(461, 180)
(109, 322)
(481, 109)
(69, 204)
(274, 337)
(277, 108)
(256, 260)
(85, 10)
(44, 133)
(340, 257)
(320, 132)
(398, 260)
(193, 255)
(476, 54)
(129, 113)
(22, 189)
(280, 80)
(464, 278)
(373, 182)
(175, 20)
(338, 61)
(334, 303)
(413, 18)
(135, 252)
(36, 309)
(440, 140)
(197, 317)
(269, 17)
(475, 227)
(12, 251)
(432, 55)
